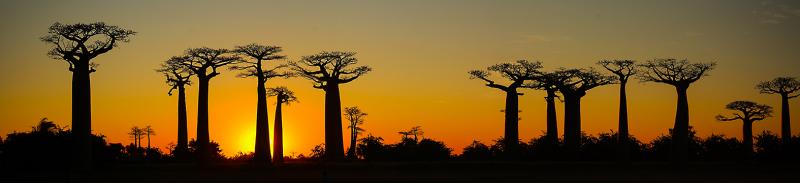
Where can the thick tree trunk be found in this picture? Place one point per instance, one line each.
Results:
(623, 136)
(183, 132)
(278, 153)
(203, 140)
(351, 151)
(572, 125)
(81, 117)
(552, 122)
(747, 138)
(511, 135)
(680, 134)
(262, 151)
(334, 145)
(786, 126)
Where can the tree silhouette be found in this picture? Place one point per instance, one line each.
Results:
(786, 87)
(623, 70)
(78, 44)
(285, 96)
(518, 73)
(748, 112)
(547, 82)
(356, 118)
(178, 77)
(680, 74)
(328, 70)
(148, 130)
(136, 133)
(204, 62)
(573, 85)
(255, 68)
(414, 131)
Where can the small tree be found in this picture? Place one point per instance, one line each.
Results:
(680, 74)
(148, 130)
(285, 96)
(623, 70)
(356, 118)
(254, 67)
(748, 112)
(786, 87)
(78, 44)
(518, 73)
(328, 70)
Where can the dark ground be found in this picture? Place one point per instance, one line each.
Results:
(427, 172)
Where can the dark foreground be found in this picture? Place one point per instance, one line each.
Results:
(427, 172)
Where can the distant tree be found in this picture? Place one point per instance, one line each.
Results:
(254, 67)
(786, 87)
(178, 77)
(78, 44)
(680, 74)
(432, 150)
(547, 82)
(721, 148)
(573, 85)
(136, 133)
(414, 132)
(204, 62)
(148, 130)
(476, 151)
(623, 70)
(318, 152)
(328, 70)
(518, 73)
(749, 112)
(768, 146)
(285, 96)
(356, 118)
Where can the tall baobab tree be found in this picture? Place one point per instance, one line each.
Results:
(328, 70)
(623, 70)
(680, 74)
(518, 73)
(136, 133)
(254, 67)
(78, 44)
(786, 87)
(356, 118)
(284, 96)
(204, 62)
(148, 130)
(178, 77)
(748, 112)
(547, 82)
(573, 85)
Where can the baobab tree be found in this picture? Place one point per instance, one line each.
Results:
(148, 130)
(136, 133)
(748, 112)
(573, 85)
(786, 87)
(517, 73)
(356, 118)
(547, 82)
(680, 74)
(204, 62)
(78, 44)
(623, 70)
(414, 131)
(178, 77)
(254, 67)
(328, 70)
(284, 96)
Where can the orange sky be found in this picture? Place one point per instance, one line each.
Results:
(420, 52)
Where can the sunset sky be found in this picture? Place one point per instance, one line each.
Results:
(420, 52)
